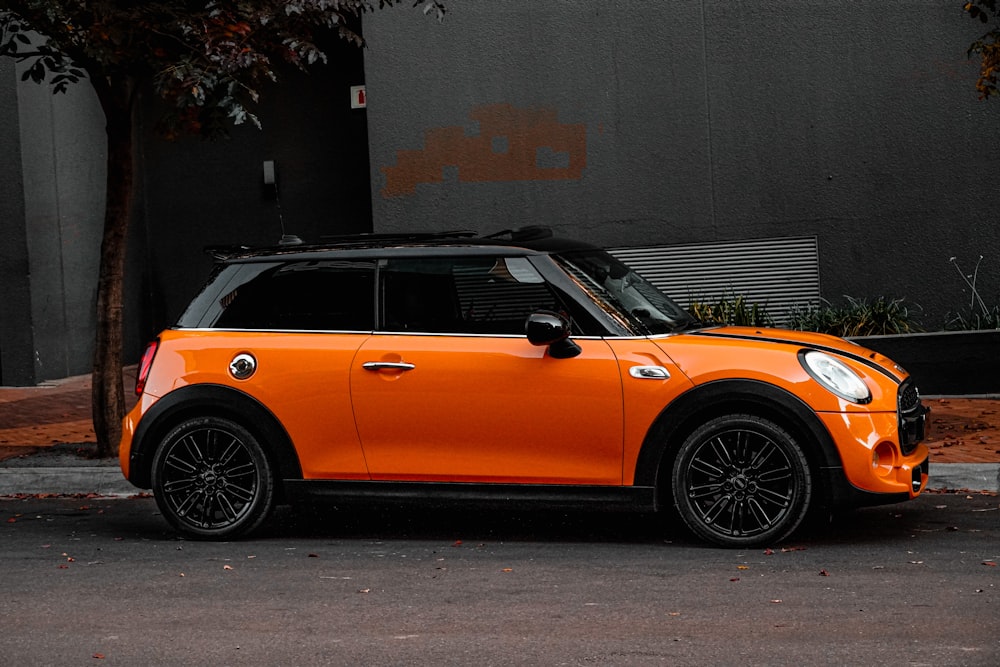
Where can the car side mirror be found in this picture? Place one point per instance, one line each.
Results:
(545, 327)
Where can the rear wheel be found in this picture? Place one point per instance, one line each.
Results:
(741, 480)
(212, 479)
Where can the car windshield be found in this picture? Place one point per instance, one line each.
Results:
(624, 293)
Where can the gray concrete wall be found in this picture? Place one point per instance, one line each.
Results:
(53, 205)
(16, 358)
(190, 194)
(622, 123)
(696, 121)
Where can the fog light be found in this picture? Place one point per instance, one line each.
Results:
(883, 458)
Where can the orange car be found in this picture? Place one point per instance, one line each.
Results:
(511, 369)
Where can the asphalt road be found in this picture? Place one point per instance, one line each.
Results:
(103, 582)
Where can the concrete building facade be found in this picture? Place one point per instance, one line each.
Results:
(619, 122)
(701, 121)
(51, 212)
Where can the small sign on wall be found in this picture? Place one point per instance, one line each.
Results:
(358, 97)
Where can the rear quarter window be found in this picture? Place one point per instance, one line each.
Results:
(327, 295)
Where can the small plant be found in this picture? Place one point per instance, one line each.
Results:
(822, 318)
(733, 309)
(977, 315)
(859, 317)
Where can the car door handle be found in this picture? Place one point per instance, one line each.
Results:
(387, 365)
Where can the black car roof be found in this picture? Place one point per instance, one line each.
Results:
(529, 240)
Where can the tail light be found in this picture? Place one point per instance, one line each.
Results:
(144, 366)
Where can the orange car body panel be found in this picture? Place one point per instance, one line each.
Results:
(644, 399)
(302, 378)
(517, 415)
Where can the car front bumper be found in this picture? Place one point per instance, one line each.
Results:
(872, 455)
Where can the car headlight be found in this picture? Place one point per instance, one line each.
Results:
(835, 375)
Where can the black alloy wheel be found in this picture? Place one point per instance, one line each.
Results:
(740, 480)
(212, 479)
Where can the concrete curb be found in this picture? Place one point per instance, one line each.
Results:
(66, 480)
(971, 476)
(108, 480)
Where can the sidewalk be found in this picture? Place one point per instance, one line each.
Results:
(46, 432)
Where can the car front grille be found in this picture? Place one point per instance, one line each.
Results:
(911, 413)
(909, 397)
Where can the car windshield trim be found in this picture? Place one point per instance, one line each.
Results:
(625, 294)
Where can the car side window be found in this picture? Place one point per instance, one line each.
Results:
(477, 295)
(324, 295)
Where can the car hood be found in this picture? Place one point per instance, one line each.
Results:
(799, 339)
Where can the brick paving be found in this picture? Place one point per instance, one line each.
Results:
(53, 413)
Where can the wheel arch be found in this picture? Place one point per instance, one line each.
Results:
(211, 400)
(704, 402)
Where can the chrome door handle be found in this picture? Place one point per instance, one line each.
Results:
(387, 366)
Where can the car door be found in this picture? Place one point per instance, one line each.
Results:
(451, 389)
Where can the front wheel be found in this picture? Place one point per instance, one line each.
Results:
(212, 479)
(740, 481)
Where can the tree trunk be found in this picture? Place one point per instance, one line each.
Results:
(107, 395)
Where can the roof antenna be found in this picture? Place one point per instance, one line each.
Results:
(271, 189)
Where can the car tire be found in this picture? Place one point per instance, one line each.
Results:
(740, 481)
(212, 479)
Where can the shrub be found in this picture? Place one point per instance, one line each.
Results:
(732, 309)
(858, 317)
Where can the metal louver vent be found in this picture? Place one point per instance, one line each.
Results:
(779, 273)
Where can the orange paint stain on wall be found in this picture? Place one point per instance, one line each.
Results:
(512, 145)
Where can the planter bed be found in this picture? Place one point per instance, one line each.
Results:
(946, 363)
